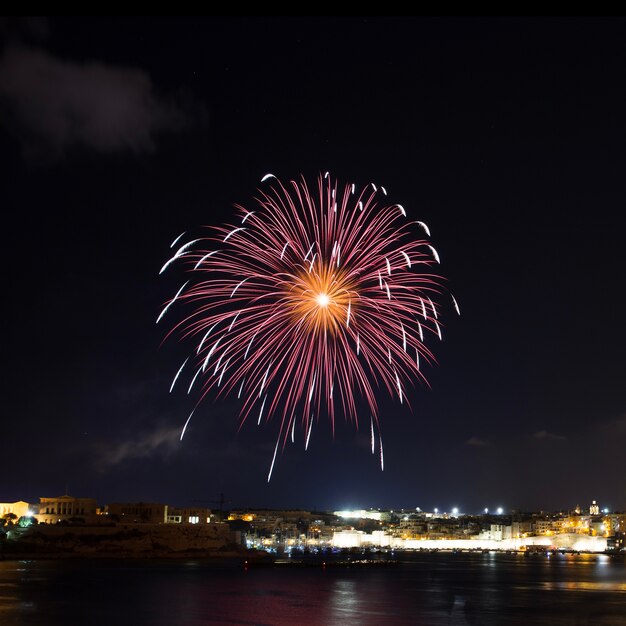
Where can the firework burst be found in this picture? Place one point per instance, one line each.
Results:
(319, 295)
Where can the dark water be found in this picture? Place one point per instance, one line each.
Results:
(425, 589)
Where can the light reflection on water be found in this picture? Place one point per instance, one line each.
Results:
(428, 589)
(585, 586)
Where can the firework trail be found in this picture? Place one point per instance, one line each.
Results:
(318, 296)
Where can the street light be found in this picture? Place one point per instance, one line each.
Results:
(486, 510)
(500, 510)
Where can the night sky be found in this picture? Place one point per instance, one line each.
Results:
(506, 136)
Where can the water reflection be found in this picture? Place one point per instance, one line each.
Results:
(427, 589)
(585, 586)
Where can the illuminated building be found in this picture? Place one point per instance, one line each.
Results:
(617, 522)
(246, 517)
(412, 526)
(489, 540)
(362, 514)
(188, 516)
(594, 509)
(616, 543)
(66, 508)
(348, 539)
(497, 532)
(521, 528)
(547, 526)
(19, 509)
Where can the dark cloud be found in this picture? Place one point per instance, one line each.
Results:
(162, 441)
(52, 105)
(544, 435)
(476, 441)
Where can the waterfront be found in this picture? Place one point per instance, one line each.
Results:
(487, 589)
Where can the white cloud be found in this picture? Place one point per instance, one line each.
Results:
(162, 441)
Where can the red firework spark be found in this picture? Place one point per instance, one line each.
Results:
(317, 296)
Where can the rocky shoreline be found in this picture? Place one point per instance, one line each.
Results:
(127, 541)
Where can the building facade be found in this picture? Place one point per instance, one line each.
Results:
(188, 516)
(66, 508)
(138, 512)
(19, 509)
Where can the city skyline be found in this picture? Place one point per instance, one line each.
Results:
(221, 504)
(67, 506)
(178, 530)
(505, 136)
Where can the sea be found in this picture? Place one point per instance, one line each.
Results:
(439, 588)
